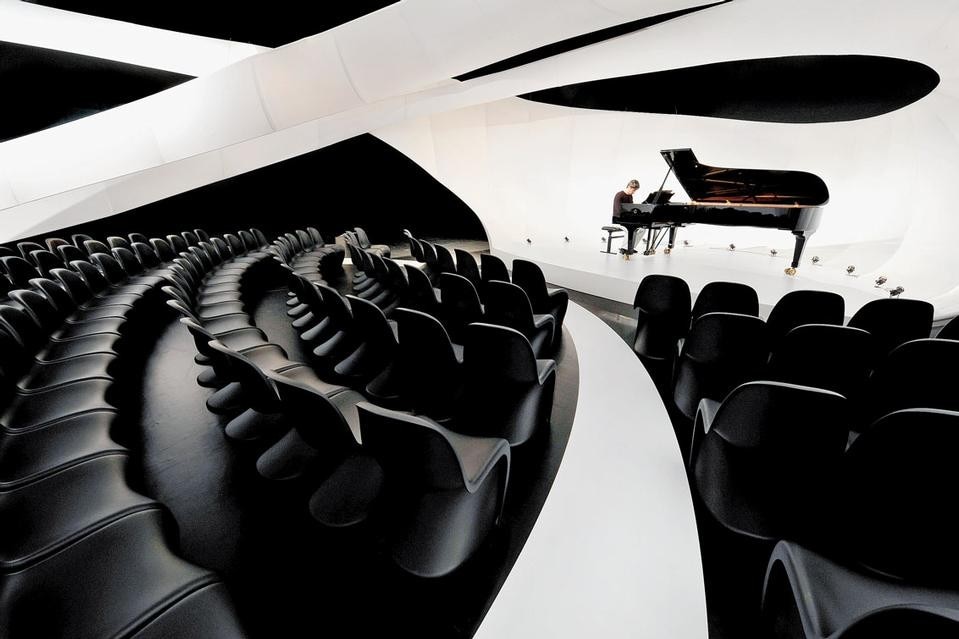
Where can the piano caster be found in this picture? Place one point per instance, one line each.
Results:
(790, 271)
(650, 252)
(667, 251)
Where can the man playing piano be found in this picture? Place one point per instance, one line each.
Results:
(625, 197)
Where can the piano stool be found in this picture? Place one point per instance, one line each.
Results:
(610, 237)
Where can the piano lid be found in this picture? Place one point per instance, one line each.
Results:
(704, 183)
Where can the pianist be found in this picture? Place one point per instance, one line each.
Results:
(625, 197)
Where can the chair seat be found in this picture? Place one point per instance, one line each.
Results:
(26, 457)
(228, 323)
(94, 327)
(219, 310)
(93, 365)
(206, 299)
(308, 377)
(129, 577)
(101, 312)
(64, 507)
(26, 412)
(244, 339)
(98, 343)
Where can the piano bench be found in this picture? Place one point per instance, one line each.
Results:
(610, 230)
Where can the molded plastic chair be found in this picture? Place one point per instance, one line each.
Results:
(726, 297)
(894, 321)
(443, 492)
(508, 392)
(723, 350)
(529, 277)
(508, 305)
(18, 270)
(837, 358)
(493, 268)
(427, 364)
(460, 304)
(662, 303)
(420, 295)
(466, 266)
(803, 307)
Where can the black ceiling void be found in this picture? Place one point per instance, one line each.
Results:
(358, 182)
(273, 25)
(578, 42)
(44, 88)
(793, 89)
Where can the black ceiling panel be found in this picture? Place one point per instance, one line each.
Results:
(794, 89)
(270, 25)
(44, 88)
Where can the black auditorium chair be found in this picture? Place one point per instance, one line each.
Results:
(30, 334)
(892, 568)
(137, 237)
(837, 358)
(341, 339)
(416, 249)
(913, 375)
(46, 261)
(177, 243)
(52, 320)
(377, 343)
(430, 257)
(18, 270)
(508, 392)
(722, 351)
(398, 281)
(508, 305)
(429, 366)
(803, 307)
(364, 243)
(466, 266)
(421, 295)
(894, 321)
(726, 297)
(95, 246)
(115, 241)
(54, 242)
(493, 268)
(662, 303)
(200, 233)
(78, 239)
(445, 262)
(950, 330)
(6, 251)
(69, 253)
(26, 248)
(324, 429)
(460, 304)
(765, 460)
(442, 492)
(529, 277)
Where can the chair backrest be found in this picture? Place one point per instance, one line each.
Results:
(508, 305)
(55, 292)
(726, 297)
(46, 261)
(70, 253)
(416, 249)
(900, 478)
(362, 239)
(663, 309)
(115, 241)
(108, 265)
(39, 308)
(432, 374)
(420, 295)
(914, 376)
(95, 280)
(314, 233)
(222, 247)
(74, 284)
(26, 248)
(190, 238)
(78, 239)
(397, 276)
(146, 255)
(336, 306)
(411, 449)
(460, 303)
(837, 358)
(128, 260)
(178, 243)
(893, 322)
(249, 240)
(497, 355)
(493, 268)
(722, 351)
(95, 246)
(444, 259)
(373, 328)
(22, 325)
(429, 255)
(467, 267)
(202, 235)
(54, 242)
(318, 421)
(18, 270)
(137, 237)
(804, 307)
(950, 330)
(236, 244)
(529, 277)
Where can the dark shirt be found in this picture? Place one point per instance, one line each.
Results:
(621, 198)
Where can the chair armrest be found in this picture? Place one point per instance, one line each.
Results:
(705, 414)
(545, 368)
(477, 456)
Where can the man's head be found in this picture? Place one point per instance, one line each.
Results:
(632, 186)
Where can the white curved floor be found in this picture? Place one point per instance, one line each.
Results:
(614, 552)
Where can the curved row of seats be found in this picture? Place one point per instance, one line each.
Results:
(358, 238)
(83, 554)
(437, 488)
(824, 440)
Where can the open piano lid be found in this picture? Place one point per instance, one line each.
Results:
(704, 183)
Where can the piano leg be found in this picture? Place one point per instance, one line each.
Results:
(672, 240)
(797, 252)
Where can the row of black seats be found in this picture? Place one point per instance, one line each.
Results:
(843, 497)
(437, 491)
(358, 238)
(68, 341)
(724, 343)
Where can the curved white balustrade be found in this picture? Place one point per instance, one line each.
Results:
(614, 552)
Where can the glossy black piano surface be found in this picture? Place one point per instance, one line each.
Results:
(787, 200)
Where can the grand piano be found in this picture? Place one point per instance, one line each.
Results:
(787, 200)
